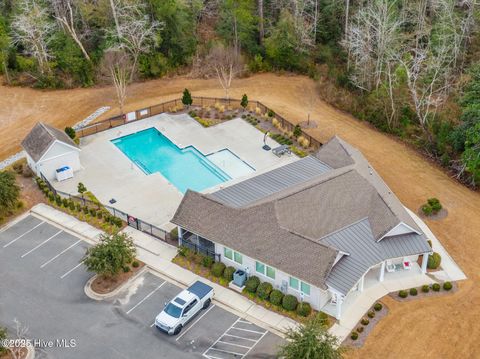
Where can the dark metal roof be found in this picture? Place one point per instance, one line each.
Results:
(271, 182)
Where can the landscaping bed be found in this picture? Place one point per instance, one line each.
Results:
(261, 294)
(21, 353)
(363, 328)
(104, 285)
(432, 290)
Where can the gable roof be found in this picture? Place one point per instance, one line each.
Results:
(41, 137)
(344, 194)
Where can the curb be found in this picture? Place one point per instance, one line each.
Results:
(96, 296)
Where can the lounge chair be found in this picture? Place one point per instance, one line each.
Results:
(281, 150)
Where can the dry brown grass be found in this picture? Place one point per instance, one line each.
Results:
(445, 327)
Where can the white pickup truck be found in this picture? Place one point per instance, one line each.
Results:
(181, 309)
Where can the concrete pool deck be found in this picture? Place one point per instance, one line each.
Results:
(108, 173)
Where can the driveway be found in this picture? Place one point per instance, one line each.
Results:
(42, 287)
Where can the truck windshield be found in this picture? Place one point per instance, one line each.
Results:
(173, 311)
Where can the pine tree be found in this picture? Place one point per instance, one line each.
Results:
(244, 102)
(187, 98)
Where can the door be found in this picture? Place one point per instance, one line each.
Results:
(189, 311)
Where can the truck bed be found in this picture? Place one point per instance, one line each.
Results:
(200, 289)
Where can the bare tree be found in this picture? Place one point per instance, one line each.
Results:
(261, 20)
(21, 332)
(137, 33)
(65, 14)
(32, 29)
(117, 67)
(226, 64)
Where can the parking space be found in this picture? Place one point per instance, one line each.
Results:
(45, 292)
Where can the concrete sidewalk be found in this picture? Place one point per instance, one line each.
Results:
(158, 257)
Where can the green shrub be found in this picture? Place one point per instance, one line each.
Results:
(427, 209)
(365, 321)
(18, 167)
(360, 329)
(228, 273)
(65, 202)
(413, 291)
(78, 207)
(304, 309)
(276, 297)
(207, 261)
(323, 319)
(378, 306)
(217, 269)
(270, 113)
(297, 131)
(85, 210)
(447, 286)
(354, 335)
(434, 261)
(436, 287)
(71, 205)
(58, 200)
(371, 314)
(403, 294)
(434, 204)
(99, 214)
(174, 234)
(135, 264)
(425, 288)
(289, 302)
(93, 212)
(430, 243)
(264, 290)
(70, 132)
(252, 284)
(126, 269)
(51, 197)
(183, 251)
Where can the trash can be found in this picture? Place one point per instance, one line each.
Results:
(239, 277)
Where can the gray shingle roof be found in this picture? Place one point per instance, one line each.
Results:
(254, 231)
(298, 226)
(271, 182)
(41, 137)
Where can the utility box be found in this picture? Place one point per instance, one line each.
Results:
(64, 173)
(239, 278)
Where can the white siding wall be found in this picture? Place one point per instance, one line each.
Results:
(58, 156)
(317, 298)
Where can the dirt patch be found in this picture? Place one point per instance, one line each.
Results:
(442, 214)
(104, 285)
(411, 328)
(365, 329)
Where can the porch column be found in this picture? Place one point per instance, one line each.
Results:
(180, 235)
(339, 306)
(424, 263)
(360, 283)
(382, 272)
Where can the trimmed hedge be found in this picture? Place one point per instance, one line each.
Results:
(354, 335)
(413, 291)
(360, 329)
(289, 302)
(264, 290)
(228, 273)
(434, 261)
(304, 309)
(365, 321)
(436, 287)
(207, 261)
(276, 297)
(403, 294)
(425, 288)
(252, 284)
(371, 314)
(378, 306)
(447, 286)
(218, 268)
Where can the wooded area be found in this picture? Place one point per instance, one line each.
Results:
(407, 66)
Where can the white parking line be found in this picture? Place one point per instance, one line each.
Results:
(41, 244)
(247, 330)
(234, 344)
(236, 336)
(244, 322)
(195, 322)
(225, 351)
(146, 297)
(27, 232)
(71, 270)
(253, 346)
(59, 254)
(152, 324)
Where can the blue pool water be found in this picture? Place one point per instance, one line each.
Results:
(185, 168)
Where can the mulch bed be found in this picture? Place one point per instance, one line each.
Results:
(102, 285)
(443, 213)
(362, 337)
(431, 293)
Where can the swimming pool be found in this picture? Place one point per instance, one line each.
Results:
(186, 168)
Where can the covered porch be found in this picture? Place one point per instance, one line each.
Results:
(197, 243)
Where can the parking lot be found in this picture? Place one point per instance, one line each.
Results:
(43, 287)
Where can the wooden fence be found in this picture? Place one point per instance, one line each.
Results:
(176, 104)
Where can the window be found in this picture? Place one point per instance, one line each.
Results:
(260, 267)
(265, 270)
(270, 272)
(294, 283)
(305, 288)
(300, 286)
(189, 307)
(228, 253)
(237, 257)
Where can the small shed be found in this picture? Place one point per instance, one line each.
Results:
(49, 149)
